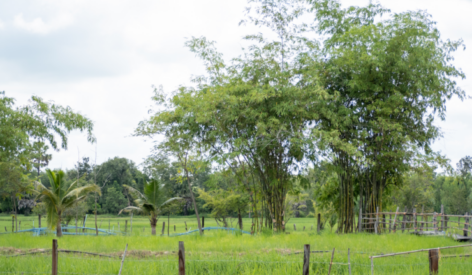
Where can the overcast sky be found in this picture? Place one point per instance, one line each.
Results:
(102, 57)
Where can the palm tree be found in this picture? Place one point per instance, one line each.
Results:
(152, 201)
(59, 197)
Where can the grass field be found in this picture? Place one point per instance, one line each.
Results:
(223, 253)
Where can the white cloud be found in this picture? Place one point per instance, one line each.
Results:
(38, 26)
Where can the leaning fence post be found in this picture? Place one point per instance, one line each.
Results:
(123, 259)
(349, 259)
(433, 261)
(54, 257)
(331, 262)
(181, 258)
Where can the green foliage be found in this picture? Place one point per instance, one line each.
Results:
(59, 197)
(114, 200)
(222, 203)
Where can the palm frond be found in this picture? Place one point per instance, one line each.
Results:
(135, 194)
(84, 190)
(169, 201)
(129, 209)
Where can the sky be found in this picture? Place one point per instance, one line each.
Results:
(102, 58)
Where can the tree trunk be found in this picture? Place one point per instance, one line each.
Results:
(153, 226)
(58, 226)
(194, 203)
(240, 219)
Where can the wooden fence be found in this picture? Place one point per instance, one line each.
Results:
(417, 223)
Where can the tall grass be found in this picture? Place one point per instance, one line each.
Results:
(218, 252)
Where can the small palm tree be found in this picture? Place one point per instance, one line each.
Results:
(152, 201)
(59, 198)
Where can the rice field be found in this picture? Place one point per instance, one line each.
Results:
(219, 252)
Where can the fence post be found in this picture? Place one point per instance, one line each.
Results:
(377, 221)
(415, 220)
(294, 227)
(131, 223)
(384, 222)
(181, 258)
(54, 257)
(395, 220)
(372, 265)
(163, 227)
(433, 261)
(185, 226)
(435, 222)
(349, 259)
(12, 224)
(331, 262)
(466, 225)
(303, 228)
(126, 226)
(319, 223)
(174, 228)
(403, 222)
(390, 224)
(306, 260)
(422, 218)
(442, 217)
(360, 219)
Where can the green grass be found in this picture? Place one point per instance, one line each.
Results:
(223, 253)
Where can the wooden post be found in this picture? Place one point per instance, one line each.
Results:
(119, 227)
(306, 260)
(319, 223)
(304, 228)
(131, 223)
(174, 228)
(433, 261)
(384, 223)
(39, 220)
(404, 218)
(395, 220)
(123, 259)
(422, 218)
(126, 226)
(377, 221)
(442, 217)
(12, 223)
(6, 229)
(203, 222)
(294, 227)
(360, 219)
(390, 224)
(163, 227)
(331, 262)
(415, 223)
(349, 259)
(466, 225)
(446, 219)
(19, 226)
(435, 222)
(185, 226)
(54, 257)
(372, 264)
(181, 258)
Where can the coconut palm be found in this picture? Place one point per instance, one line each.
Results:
(152, 201)
(59, 197)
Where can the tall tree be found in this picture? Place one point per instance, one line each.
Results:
(391, 75)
